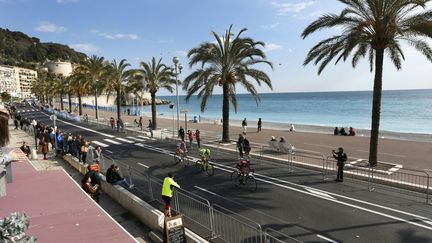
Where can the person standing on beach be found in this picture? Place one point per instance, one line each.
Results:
(150, 127)
(341, 158)
(259, 125)
(190, 136)
(244, 125)
(198, 137)
(181, 133)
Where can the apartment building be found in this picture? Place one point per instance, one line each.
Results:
(17, 81)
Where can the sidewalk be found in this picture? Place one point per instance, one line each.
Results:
(131, 224)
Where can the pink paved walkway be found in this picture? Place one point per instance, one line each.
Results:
(59, 210)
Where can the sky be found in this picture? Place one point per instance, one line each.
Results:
(138, 30)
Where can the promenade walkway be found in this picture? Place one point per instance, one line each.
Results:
(58, 209)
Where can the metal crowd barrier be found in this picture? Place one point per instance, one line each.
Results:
(204, 218)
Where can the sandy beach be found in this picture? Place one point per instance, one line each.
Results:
(411, 154)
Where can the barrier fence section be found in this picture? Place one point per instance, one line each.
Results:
(201, 216)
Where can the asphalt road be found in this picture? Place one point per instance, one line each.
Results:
(298, 203)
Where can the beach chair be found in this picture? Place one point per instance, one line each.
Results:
(286, 147)
(274, 145)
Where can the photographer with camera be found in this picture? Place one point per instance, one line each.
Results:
(341, 158)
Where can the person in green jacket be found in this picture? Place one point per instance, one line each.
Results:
(167, 192)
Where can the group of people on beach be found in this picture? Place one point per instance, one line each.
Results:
(259, 126)
(342, 132)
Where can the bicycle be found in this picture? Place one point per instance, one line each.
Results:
(241, 178)
(181, 159)
(207, 167)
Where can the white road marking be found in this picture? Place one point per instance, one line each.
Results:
(144, 165)
(109, 151)
(205, 190)
(125, 140)
(143, 137)
(112, 141)
(100, 144)
(321, 194)
(136, 139)
(327, 239)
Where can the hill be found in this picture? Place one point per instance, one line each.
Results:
(18, 49)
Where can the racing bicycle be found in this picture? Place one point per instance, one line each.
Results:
(206, 167)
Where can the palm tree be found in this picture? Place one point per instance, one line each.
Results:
(227, 62)
(372, 28)
(116, 76)
(80, 84)
(154, 76)
(94, 68)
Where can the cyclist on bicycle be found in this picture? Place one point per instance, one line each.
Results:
(244, 167)
(205, 155)
(181, 149)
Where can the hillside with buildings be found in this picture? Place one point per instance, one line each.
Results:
(21, 50)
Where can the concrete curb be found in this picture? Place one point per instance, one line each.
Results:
(147, 214)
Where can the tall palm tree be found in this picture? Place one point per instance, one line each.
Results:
(372, 28)
(80, 84)
(94, 67)
(116, 77)
(227, 62)
(154, 76)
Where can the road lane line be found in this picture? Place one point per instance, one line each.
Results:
(205, 190)
(144, 165)
(100, 144)
(109, 151)
(136, 139)
(125, 140)
(319, 193)
(143, 137)
(327, 239)
(112, 141)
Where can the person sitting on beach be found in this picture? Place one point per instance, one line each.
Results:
(181, 149)
(273, 139)
(352, 131)
(342, 132)
(292, 128)
(282, 140)
(336, 131)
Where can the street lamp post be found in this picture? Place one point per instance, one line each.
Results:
(177, 70)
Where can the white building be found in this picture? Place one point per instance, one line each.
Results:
(8, 81)
(59, 68)
(17, 81)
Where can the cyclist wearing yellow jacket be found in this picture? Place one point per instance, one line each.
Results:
(205, 154)
(167, 192)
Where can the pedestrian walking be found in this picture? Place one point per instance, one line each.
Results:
(240, 145)
(259, 125)
(16, 123)
(190, 136)
(112, 122)
(247, 148)
(244, 125)
(43, 146)
(341, 158)
(198, 137)
(140, 122)
(181, 133)
(167, 192)
(150, 127)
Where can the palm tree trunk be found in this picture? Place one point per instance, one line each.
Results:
(79, 104)
(153, 108)
(225, 114)
(96, 106)
(70, 102)
(376, 108)
(61, 101)
(118, 104)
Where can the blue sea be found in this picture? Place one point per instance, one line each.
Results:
(402, 111)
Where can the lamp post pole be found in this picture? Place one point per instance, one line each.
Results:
(177, 70)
